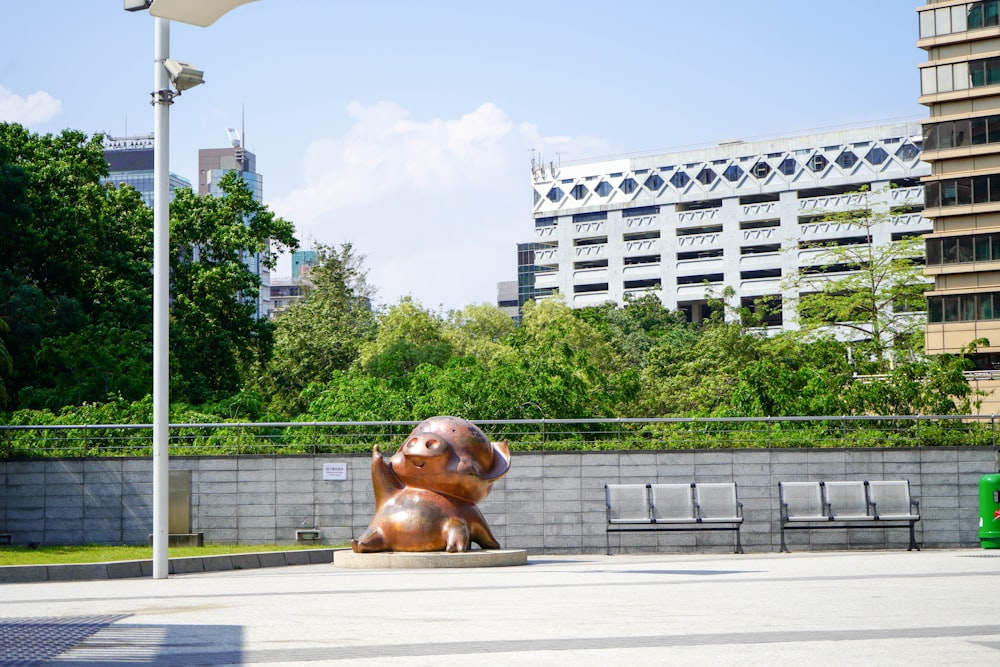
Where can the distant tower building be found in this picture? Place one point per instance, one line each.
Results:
(302, 263)
(130, 161)
(958, 85)
(507, 298)
(213, 164)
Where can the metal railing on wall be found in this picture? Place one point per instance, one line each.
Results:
(272, 438)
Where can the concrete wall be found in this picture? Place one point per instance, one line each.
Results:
(548, 503)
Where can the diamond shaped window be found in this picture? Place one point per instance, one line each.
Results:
(628, 186)
(908, 151)
(761, 169)
(555, 194)
(579, 191)
(603, 188)
(653, 183)
(818, 162)
(706, 176)
(788, 166)
(680, 179)
(847, 159)
(877, 155)
(733, 173)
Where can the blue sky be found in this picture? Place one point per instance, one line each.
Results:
(407, 128)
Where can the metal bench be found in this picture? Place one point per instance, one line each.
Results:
(694, 506)
(848, 504)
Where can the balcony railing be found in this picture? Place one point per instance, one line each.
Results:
(285, 438)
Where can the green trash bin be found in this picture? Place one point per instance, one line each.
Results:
(989, 511)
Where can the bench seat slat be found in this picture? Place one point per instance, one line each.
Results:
(717, 503)
(847, 501)
(672, 503)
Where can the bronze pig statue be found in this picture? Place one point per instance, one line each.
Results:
(426, 493)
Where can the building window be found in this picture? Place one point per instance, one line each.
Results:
(847, 159)
(640, 211)
(788, 166)
(763, 249)
(641, 236)
(733, 173)
(761, 169)
(555, 194)
(962, 249)
(760, 273)
(706, 176)
(876, 155)
(628, 186)
(642, 259)
(647, 283)
(593, 216)
(579, 191)
(591, 264)
(980, 15)
(653, 183)
(692, 231)
(698, 280)
(603, 188)
(593, 287)
(818, 162)
(963, 307)
(963, 191)
(700, 254)
(962, 133)
(908, 152)
(680, 179)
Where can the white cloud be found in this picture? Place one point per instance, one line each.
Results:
(38, 107)
(436, 206)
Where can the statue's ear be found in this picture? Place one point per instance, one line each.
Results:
(501, 461)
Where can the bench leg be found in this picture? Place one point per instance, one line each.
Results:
(739, 546)
(913, 538)
(784, 547)
(607, 540)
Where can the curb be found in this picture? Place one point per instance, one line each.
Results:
(21, 574)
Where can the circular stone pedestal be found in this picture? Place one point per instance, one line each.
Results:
(423, 560)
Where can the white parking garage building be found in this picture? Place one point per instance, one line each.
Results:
(748, 215)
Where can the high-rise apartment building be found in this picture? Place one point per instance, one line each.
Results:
(747, 215)
(213, 164)
(130, 161)
(960, 85)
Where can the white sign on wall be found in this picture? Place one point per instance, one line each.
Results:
(334, 472)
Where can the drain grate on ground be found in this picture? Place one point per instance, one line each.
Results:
(32, 641)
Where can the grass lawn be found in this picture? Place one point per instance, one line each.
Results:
(96, 553)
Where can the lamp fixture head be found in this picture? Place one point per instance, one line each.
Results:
(183, 75)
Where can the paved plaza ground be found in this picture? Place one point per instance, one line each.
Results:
(933, 607)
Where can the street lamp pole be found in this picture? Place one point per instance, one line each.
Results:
(161, 296)
(201, 13)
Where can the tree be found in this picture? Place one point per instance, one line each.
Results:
(875, 292)
(74, 287)
(215, 332)
(408, 335)
(6, 364)
(634, 329)
(480, 331)
(324, 331)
